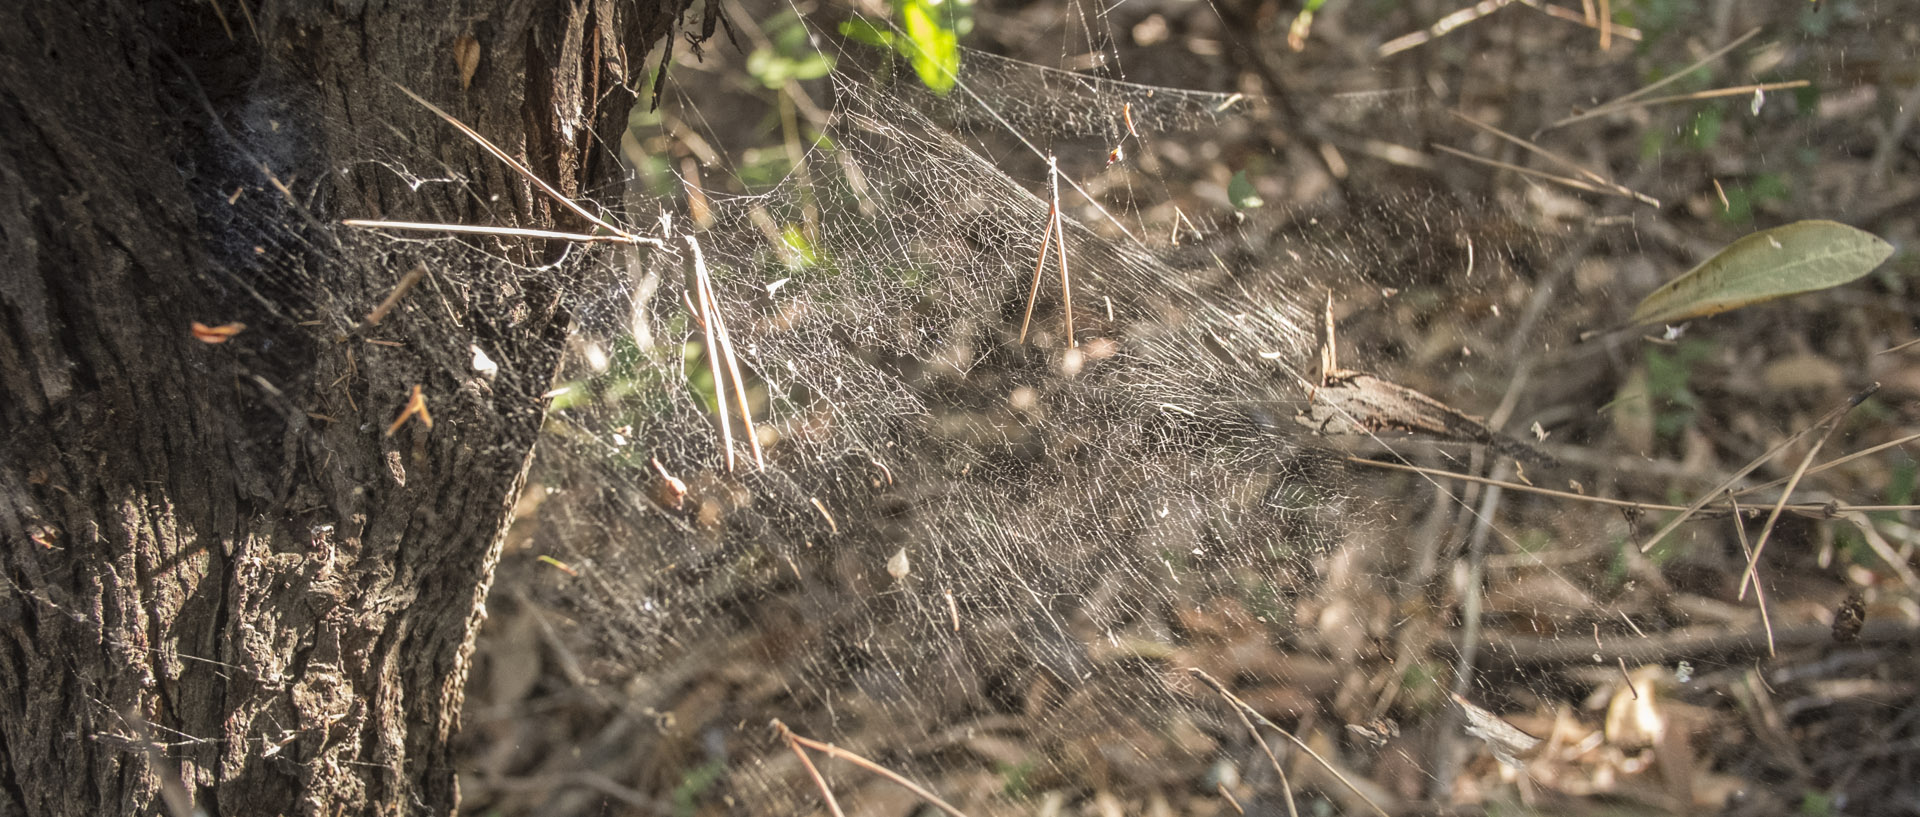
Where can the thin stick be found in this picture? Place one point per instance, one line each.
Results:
(1712, 93)
(1536, 149)
(833, 805)
(1059, 229)
(407, 281)
(726, 352)
(1759, 594)
(1766, 531)
(1442, 27)
(1513, 486)
(416, 404)
(835, 751)
(1229, 795)
(714, 365)
(1650, 88)
(1255, 714)
(1624, 676)
(1286, 788)
(1557, 159)
(1878, 544)
(1607, 188)
(510, 232)
(1046, 243)
(1833, 463)
(1833, 415)
(1823, 510)
(1572, 16)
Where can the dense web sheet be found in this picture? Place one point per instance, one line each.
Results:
(961, 546)
(960, 542)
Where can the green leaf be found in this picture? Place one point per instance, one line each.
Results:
(1241, 194)
(932, 47)
(863, 31)
(1800, 257)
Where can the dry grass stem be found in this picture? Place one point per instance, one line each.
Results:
(1571, 16)
(614, 234)
(508, 232)
(1711, 93)
(416, 405)
(1831, 416)
(1759, 593)
(1248, 711)
(529, 175)
(1833, 463)
(1230, 798)
(1878, 544)
(1039, 266)
(1766, 531)
(1442, 27)
(407, 282)
(1816, 510)
(850, 757)
(1066, 283)
(721, 360)
(1604, 189)
(1619, 103)
(826, 792)
(1056, 228)
(1569, 164)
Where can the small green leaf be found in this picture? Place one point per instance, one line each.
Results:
(1241, 194)
(863, 31)
(1800, 257)
(932, 47)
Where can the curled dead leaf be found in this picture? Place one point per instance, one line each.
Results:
(466, 55)
(216, 334)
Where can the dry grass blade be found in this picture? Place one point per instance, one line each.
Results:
(1878, 544)
(407, 282)
(833, 803)
(1831, 416)
(1039, 265)
(1618, 102)
(1623, 32)
(835, 751)
(1711, 93)
(1286, 787)
(1820, 510)
(721, 361)
(1442, 27)
(726, 353)
(1766, 531)
(1262, 719)
(1834, 463)
(510, 232)
(521, 169)
(1066, 284)
(1759, 593)
(1606, 189)
(1617, 189)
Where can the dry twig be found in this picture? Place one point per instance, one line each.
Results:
(797, 741)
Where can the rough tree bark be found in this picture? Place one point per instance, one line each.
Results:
(218, 567)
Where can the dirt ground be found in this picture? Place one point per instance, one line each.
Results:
(1650, 679)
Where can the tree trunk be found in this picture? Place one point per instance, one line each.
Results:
(221, 569)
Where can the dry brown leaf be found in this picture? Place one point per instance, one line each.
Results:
(216, 334)
(466, 55)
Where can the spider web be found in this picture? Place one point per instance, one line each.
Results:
(961, 543)
(978, 560)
